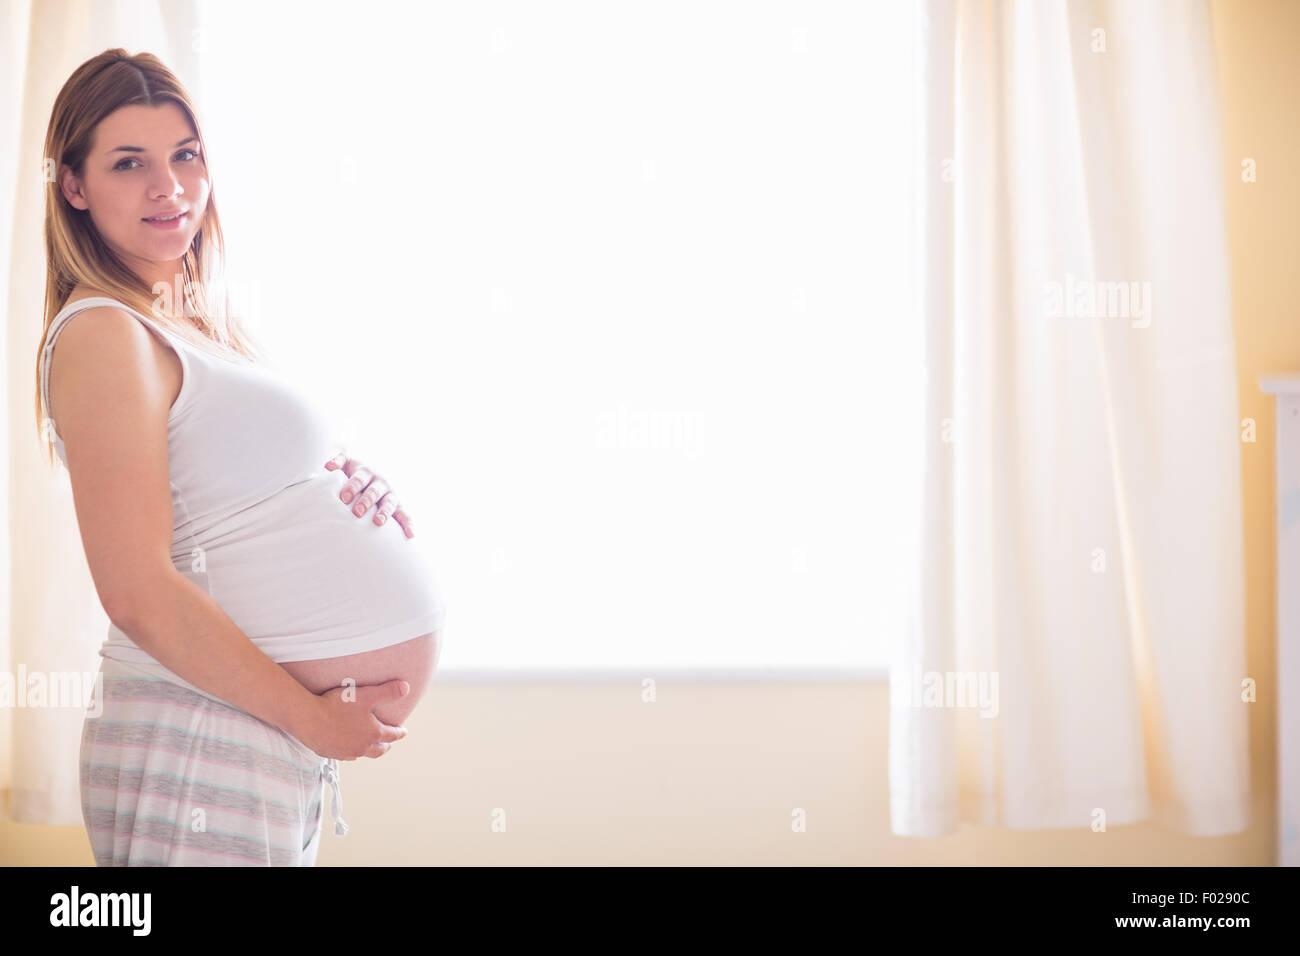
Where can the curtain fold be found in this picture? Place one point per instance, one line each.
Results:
(1082, 555)
(54, 623)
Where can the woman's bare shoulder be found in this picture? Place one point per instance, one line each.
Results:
(85, 292)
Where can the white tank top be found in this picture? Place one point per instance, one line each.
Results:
(257, 521)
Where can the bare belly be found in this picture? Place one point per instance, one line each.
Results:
(413, 661)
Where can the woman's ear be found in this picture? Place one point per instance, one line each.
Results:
(70, 186)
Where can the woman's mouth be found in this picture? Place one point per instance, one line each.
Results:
(173, 221)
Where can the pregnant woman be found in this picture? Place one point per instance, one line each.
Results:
(265, 623)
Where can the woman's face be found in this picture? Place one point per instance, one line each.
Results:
(143, 163)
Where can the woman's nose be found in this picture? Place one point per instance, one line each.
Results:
(167, 186)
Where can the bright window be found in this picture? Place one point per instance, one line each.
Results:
(617, 297)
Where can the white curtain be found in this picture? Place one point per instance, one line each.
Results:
(1082, 530)
(53, 623)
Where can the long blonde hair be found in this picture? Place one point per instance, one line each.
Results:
(76, 254)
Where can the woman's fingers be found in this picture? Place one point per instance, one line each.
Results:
(374, 491)
(387, 505)
(352, 487)
(364, 489)
(403, 519)
(388, 735)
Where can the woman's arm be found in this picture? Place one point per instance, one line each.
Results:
(111, 391)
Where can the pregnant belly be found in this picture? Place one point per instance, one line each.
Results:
(325, 594)
(413, 661)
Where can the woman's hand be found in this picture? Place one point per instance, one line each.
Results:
(344, 727)
(368, 488)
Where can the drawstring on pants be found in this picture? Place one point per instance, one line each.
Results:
(330, 769)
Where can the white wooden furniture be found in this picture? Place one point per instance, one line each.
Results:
(1286, 387)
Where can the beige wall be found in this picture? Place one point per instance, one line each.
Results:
(1258, 44)
(710, 773)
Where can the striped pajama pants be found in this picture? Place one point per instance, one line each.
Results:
(173, 777)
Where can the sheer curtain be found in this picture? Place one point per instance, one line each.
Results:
(54, 624)
(1082, 554)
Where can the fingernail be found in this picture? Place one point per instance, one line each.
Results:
(381, 519)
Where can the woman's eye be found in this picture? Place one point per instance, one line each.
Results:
(193, 156)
